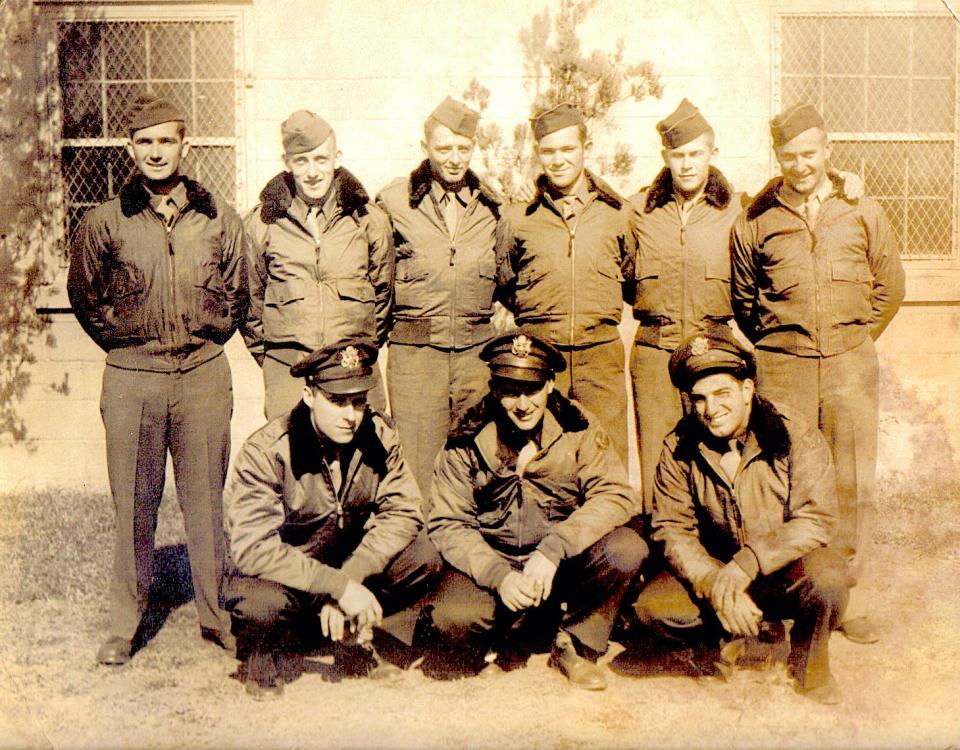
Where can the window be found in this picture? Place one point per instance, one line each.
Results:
(887, 87)
(104, 64)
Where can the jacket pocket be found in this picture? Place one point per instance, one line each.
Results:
(850, 290)
(284, 314)
(355, 290)
(717, 267)
(126, 315)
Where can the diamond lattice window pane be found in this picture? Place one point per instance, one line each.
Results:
(795, 90)
(215, 167)
(888, 109)
(82, 113)
(78, 51)
(844, 47)
(932, 106)
(214, 51)
(889, 44)
(126, 59)
(928, 227)
(895, 210)
(844, 104)
(170, 51)
(800, 51)
(930, 169)
(120, 97)
(934, 47)
(215, 115)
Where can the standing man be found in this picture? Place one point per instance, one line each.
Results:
(321, 263)
(324, 522)
(562, 262)
(529, 503)
(682, 271)
(444, 226)
(158, 280)
(744, 504)
(816, 278)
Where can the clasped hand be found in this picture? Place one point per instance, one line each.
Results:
(737, 612)
(357, 605)
(531, 587)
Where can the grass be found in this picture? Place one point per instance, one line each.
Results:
(55, 551)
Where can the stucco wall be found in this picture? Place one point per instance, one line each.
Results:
(375, 70)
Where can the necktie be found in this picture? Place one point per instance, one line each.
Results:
(526, 456)
(313, 221)
(451, 214)
(811, 210)
(336, 476)
(730, 461)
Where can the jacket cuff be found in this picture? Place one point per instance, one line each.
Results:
(746, 558)
(493, 576)
(552, 548)
(327, 580)
(358, 568)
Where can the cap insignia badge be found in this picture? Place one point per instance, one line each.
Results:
(350, 358)
(699, 346)
(521, 346)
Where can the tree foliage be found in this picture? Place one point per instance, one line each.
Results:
(558, 70)
(29, 211)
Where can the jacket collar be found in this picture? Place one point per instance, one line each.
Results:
(277, 195)
(717, 191)
(769, 197)
(766, 427)
(134, 197)
(421, 179)
(306, 447)
(604, 192)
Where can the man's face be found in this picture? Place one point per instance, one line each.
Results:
(335, 415)
(561, 156)
(803, 160)
(313, 170)
(689, 164)
(722, 404)
(523, 401)
(449, 154)
(157, 150)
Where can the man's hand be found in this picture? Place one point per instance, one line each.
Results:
(358, 603)
(331, 622)
(742, 618)
(539, 572)
(515, 592)
(730, 580)
(526, 190)
(502, 319)
(853, 187)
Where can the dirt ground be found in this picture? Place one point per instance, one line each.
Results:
(178, 692)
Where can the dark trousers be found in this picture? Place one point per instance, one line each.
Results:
(146, 414)
(592, 585)
(430, 391)
(811, 591)
(596, 378)
(265, 613)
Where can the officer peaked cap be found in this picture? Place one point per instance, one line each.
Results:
(522, 355)
(343, 368)
(715, 350)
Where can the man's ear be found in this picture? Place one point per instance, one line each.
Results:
(587, 144)
(128, 147)
(308, 395)
(551, 384)
(187, 143)
(749, 387)
(337, 159)
(423, 148)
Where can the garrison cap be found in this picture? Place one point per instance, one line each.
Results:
(682, 125)
(346, 367)
(149, 110)
(562, 116)
(522, 355)
(303, 131)
(714, 350)
(793, 121)
(457, 116)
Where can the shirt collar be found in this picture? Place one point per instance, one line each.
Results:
(439, 193)
(797, 200)
(177, 196)
(299, 207)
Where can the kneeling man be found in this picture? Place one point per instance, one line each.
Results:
(324, 521)
(529, 502)
(744, 503)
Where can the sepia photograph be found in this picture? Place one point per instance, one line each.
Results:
(479, 374)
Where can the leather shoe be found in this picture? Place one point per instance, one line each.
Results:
(224, 640)
(581, 672)
(859, 630)
(380, 670)
(115, 652)
(827, 694)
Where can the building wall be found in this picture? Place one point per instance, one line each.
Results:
(376, 69)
